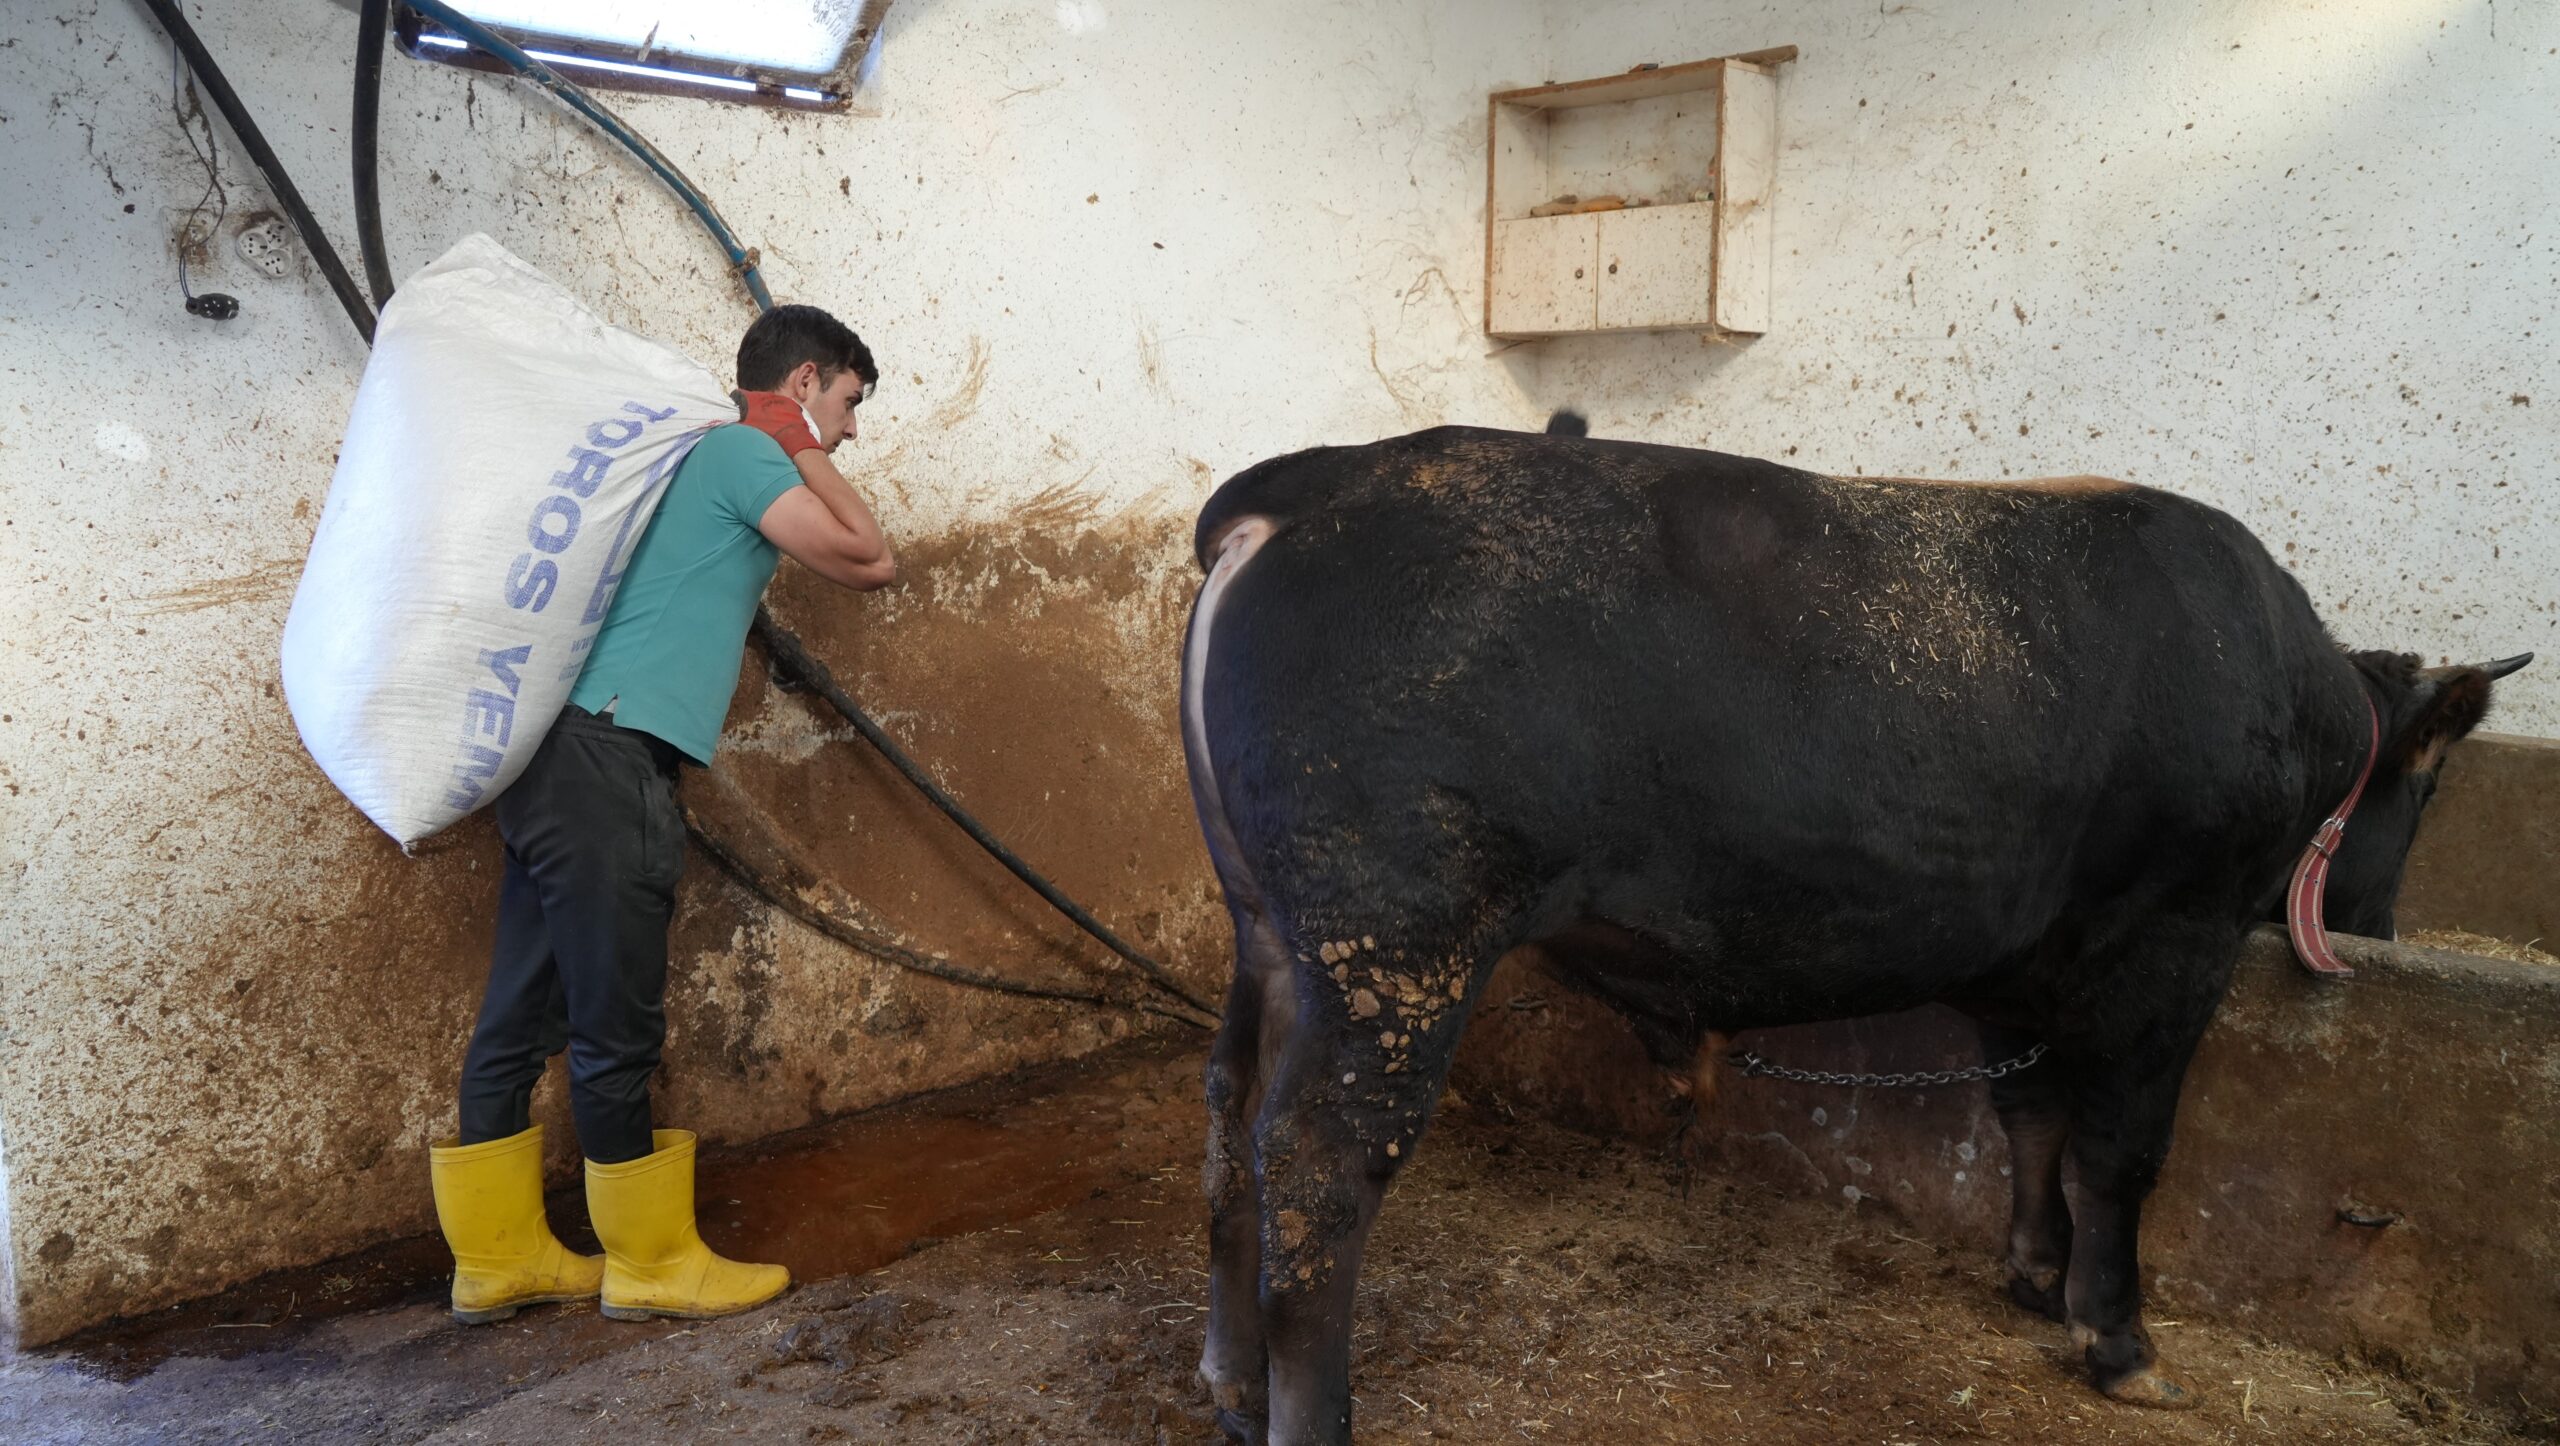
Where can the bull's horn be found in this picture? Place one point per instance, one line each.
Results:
(2498, 669)
(2504, 666)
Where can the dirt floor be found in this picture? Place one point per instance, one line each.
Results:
(1032, 1258)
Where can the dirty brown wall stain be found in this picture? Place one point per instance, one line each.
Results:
(314, 1017)
(1033, 671)
(963, 400)
(1030, 664)
(267, 580)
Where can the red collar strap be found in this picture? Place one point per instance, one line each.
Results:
(2305, 901)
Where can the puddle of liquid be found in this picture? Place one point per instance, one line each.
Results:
(834, 1199)
(867, 1191)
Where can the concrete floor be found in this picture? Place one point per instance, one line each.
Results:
(1022, 1263)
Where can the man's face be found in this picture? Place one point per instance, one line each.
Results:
(830, 403)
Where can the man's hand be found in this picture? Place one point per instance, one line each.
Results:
(782, 419)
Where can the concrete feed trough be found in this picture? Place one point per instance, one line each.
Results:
(2366, 1166)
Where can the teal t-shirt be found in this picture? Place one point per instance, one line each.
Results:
(671, 641)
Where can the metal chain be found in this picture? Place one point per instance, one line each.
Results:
(1752, 1064)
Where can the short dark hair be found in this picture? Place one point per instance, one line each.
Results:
(786, 336)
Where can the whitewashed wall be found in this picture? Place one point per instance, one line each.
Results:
(2301, 260)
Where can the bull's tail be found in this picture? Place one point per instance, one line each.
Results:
(1278, 491)
(1234, 544)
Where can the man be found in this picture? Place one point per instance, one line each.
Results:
(595, 843)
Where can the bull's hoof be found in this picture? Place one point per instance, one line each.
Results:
(2045, 1300)
(1243, 1397)
(2153, 1387)
(1242, 1413)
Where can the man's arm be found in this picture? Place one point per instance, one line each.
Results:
(825, 526)
(823, 522)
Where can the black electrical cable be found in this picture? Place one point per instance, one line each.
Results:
(727, 856)
(742, 259)
(804, 667)
(373, 26)
(209, 76)
(213, 305)
(746, 844)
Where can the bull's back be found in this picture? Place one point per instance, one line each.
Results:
(1612, 660)
(1534, 559)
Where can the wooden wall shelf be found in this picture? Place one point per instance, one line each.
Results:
(1689, 154)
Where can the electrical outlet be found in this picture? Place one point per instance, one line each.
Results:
(265, 244)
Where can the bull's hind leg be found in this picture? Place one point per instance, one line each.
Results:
(1260, 1008)
(1351, 1097)
(2035, 1113)
(2125, 1057)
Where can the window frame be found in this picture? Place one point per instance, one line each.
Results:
(834, 89)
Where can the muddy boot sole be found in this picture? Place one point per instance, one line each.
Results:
(656, 1312)
(496, 1313)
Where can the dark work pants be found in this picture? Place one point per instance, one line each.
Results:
(594, 847)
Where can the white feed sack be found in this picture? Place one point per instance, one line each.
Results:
(506, 451)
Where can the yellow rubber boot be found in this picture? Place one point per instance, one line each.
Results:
(654, 1260)
(489, 1200)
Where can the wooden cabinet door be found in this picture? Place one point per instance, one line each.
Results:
(1747, 171)
(1543, 280)
(1654, 266)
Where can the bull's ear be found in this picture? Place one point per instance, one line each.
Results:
(2446, 705)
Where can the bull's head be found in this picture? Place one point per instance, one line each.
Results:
(2424, 711)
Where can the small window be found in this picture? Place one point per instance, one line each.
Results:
(797, 53)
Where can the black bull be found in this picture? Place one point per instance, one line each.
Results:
(1738, 745)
